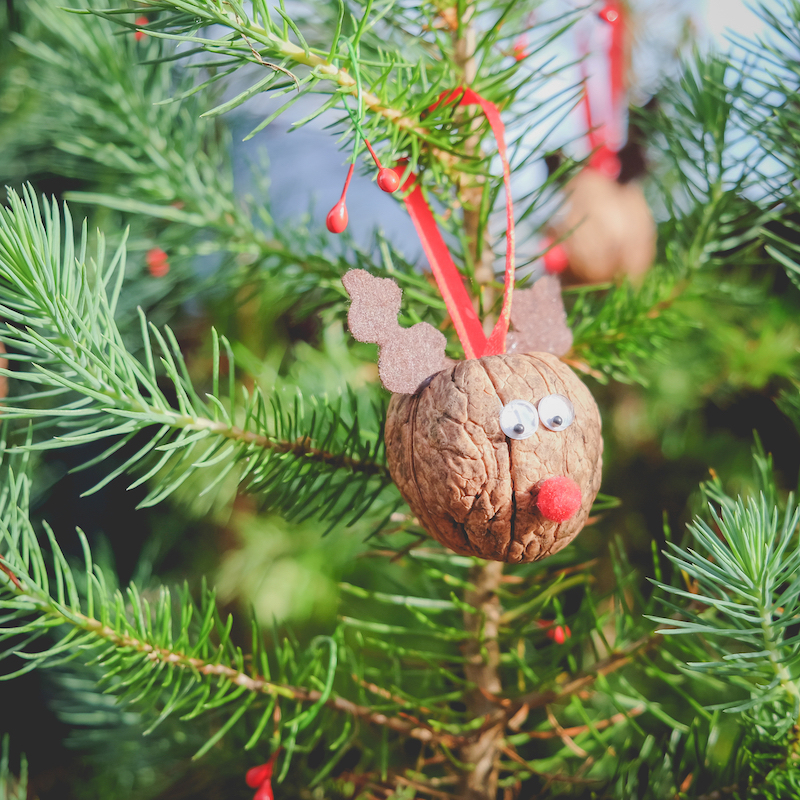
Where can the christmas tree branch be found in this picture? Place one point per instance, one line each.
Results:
(124, 125)
(274, 46)
(61, 311)
(745, 591)
(254, 683)
(133, 640)
(12, 787)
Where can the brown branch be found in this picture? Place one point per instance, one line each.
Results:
(299, 447)
(482, 669)
(549, 777)
(424, 788)
(10, 574)
(255, 683)
(385, 693)
(563, 735)
(605, 667)
(579, 729)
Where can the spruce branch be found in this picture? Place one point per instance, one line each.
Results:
(770, 116)
(60, 307)
(746, 590)
(11, 786)
(125, 125)
(168, 656)
(402, 75)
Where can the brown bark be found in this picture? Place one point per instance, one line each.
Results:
(483, 654)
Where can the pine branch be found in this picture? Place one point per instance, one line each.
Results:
(618, 331)
(746, 591)
(124, 125)
(395, 77)
(398, 77)
(12, 787)
(770, 115)
(60, 321)
(167, 658)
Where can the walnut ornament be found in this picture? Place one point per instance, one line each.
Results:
(607, 229)
(499, 456)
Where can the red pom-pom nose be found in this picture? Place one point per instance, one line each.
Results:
(559, 499)
(609, 14)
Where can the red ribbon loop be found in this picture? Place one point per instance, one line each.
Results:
(448, 278)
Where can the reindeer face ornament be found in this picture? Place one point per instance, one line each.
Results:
(499, 457)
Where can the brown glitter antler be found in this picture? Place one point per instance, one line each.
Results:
(408, 356)
(539, 320)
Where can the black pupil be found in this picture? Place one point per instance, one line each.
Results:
(519, 428)
(556, 421)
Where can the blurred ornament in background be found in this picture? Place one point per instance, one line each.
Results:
(605, 229)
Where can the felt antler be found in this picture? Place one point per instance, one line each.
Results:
(408, 356)
(539, 319)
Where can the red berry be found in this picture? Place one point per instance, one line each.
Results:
(559, 634)
(559, 499)
(556, 260)
(265, 792)
(388, 179)
(157, 262)
(257, 775)
(139, 35)
(520, 53)
(337, 217)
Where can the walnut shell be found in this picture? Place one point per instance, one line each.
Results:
(472, 488)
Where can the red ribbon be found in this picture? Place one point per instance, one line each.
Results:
(448, 278)
(604, 159)
(612, 14)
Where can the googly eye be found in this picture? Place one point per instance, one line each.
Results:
(556, 412)
(519, 419)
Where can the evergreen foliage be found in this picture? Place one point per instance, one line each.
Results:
(11, 787)
(604, 671)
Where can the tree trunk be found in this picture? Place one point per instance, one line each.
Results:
(483, 660)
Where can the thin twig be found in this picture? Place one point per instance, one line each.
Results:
(549, 777)
(563, 735)
(271, 66)
(576, 730)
